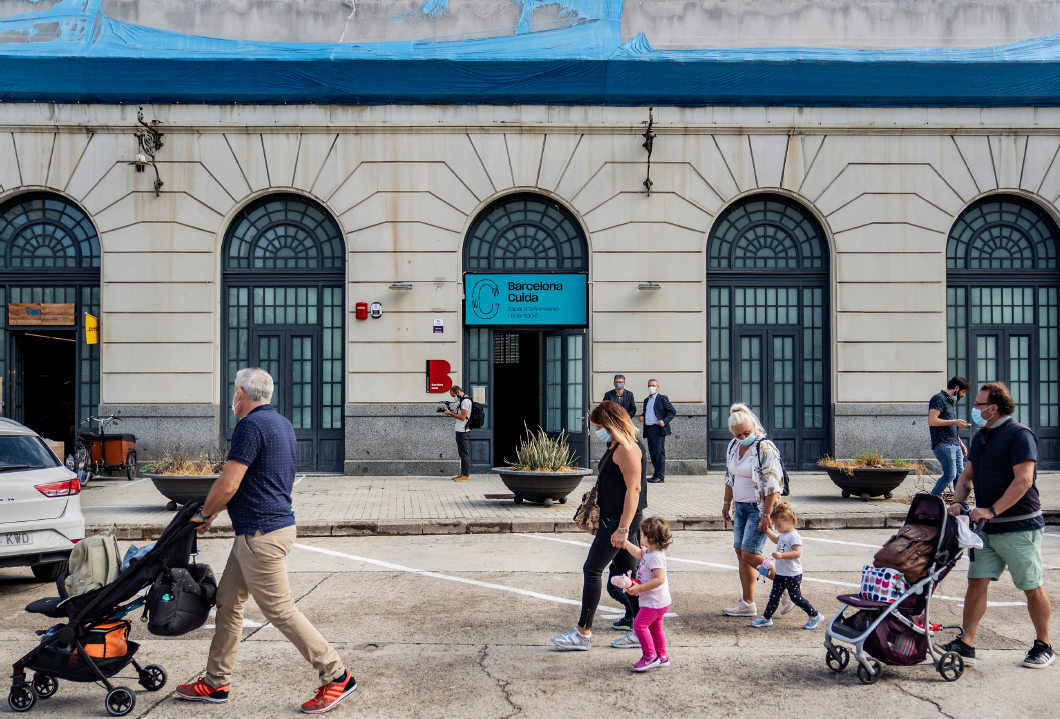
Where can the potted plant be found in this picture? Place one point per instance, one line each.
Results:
(181, 479)
(869, 474)
(543, 471)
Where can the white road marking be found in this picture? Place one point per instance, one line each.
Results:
(249, 623)
(462, 580)
(734, 568)
(839, 541)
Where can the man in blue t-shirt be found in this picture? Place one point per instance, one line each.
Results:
(943, 424)
(255, 487)
(1002, 468)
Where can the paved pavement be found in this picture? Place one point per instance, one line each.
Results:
(345, 506)
(458, 626)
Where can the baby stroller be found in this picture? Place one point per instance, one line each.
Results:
(900, 633)
(85, 648)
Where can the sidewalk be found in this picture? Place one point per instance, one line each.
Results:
(350, 506)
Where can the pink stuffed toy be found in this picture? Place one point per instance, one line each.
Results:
(766, 566)
(624, 581)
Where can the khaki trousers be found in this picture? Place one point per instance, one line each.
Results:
(257, 567)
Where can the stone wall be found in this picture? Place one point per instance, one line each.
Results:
(405, 182)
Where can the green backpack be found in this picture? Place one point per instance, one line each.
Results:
(94, 562)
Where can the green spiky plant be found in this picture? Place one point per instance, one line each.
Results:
(538, 452)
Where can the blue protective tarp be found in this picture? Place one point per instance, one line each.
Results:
(94, 58)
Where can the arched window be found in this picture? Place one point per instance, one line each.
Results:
(49, 254)
(526, 233)
(284, 311)
(768, 286)
(1002, 307)
(766, 233)
(1002, 234)
(46, 232)
(285, 233)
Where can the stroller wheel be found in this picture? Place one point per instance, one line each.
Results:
(45, 685)
(837, 661)
(867, 677)
(120, 701)
(951, 666)
(22, 699)
(153, 677)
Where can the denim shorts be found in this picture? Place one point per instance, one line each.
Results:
(746, 534)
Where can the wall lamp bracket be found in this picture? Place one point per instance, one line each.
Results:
(649, 286)
(403, 286)
(150, 141)
(649, 144)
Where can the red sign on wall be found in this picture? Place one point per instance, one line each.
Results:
(438, 379)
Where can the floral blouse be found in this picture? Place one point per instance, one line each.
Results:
(767, 474)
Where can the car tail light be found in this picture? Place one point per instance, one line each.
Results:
(75, 541)
(60, 489)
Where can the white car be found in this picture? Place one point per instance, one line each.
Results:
(40, 504)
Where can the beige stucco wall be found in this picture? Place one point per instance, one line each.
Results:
(405, 182)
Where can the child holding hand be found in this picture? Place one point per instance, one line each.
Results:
(787, 568)
(653, 590)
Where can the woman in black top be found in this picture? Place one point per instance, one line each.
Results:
(621, 499)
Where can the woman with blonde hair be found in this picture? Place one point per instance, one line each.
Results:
(622, 499)
(753, 474)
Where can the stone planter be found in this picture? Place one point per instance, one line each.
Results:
(181, 489)
(541, 487)
(868, 482)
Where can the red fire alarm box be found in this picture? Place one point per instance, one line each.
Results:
(361, 308)
(438, 379)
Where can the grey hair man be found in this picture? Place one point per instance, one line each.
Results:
(255, 487)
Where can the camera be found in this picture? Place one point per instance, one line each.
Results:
(444, 405)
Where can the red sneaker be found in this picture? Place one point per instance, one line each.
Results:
(329, 695)
(200, 691)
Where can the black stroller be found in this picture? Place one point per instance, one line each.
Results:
(62, 654)
(900, 633)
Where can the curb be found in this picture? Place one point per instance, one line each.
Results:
(521, 525)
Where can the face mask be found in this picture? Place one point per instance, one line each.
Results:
(653, 390)
(604, 435)
(620, 385)
(977, 417)
(748, 440)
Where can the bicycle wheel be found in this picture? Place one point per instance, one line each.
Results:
(83, 463)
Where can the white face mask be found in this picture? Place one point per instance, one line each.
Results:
(653, 390)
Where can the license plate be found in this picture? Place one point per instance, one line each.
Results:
(15, 538)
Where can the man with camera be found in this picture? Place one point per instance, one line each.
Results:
(463, 437)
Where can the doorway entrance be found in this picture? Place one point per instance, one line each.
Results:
(45, 380)
(532, 379)
(283, 312)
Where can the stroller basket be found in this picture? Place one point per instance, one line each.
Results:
(70, 665)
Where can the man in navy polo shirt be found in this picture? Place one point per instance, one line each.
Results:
(255, 487)
(1002, 468)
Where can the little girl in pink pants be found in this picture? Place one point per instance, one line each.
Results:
(653, 592)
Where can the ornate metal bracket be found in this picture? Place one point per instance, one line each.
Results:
(150, 141)
(649, 142)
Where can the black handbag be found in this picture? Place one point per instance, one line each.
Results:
(179, 601)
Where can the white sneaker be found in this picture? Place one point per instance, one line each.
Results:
(573, 640)
(629, 641)
(814, 622)
(742, 609)
(786, 605)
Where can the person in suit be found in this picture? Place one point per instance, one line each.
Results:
(657, 415)
(621, 396)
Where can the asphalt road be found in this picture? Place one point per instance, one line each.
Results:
(458, 626)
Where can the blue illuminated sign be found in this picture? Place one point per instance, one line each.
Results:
(539, 300)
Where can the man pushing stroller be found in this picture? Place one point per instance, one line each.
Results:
(1002, 468)
(255, 486)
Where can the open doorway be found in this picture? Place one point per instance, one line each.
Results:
(516, 392)
(45, 381)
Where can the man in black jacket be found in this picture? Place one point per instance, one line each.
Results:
(657, 415)
(621, 396)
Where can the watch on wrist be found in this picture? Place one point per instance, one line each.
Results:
(624, 529)
(200, 516)
(992, 510)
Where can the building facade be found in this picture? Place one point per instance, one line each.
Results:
(829, 265)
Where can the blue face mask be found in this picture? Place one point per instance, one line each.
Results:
(977, 417)
(748, 440)
(604, 435)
